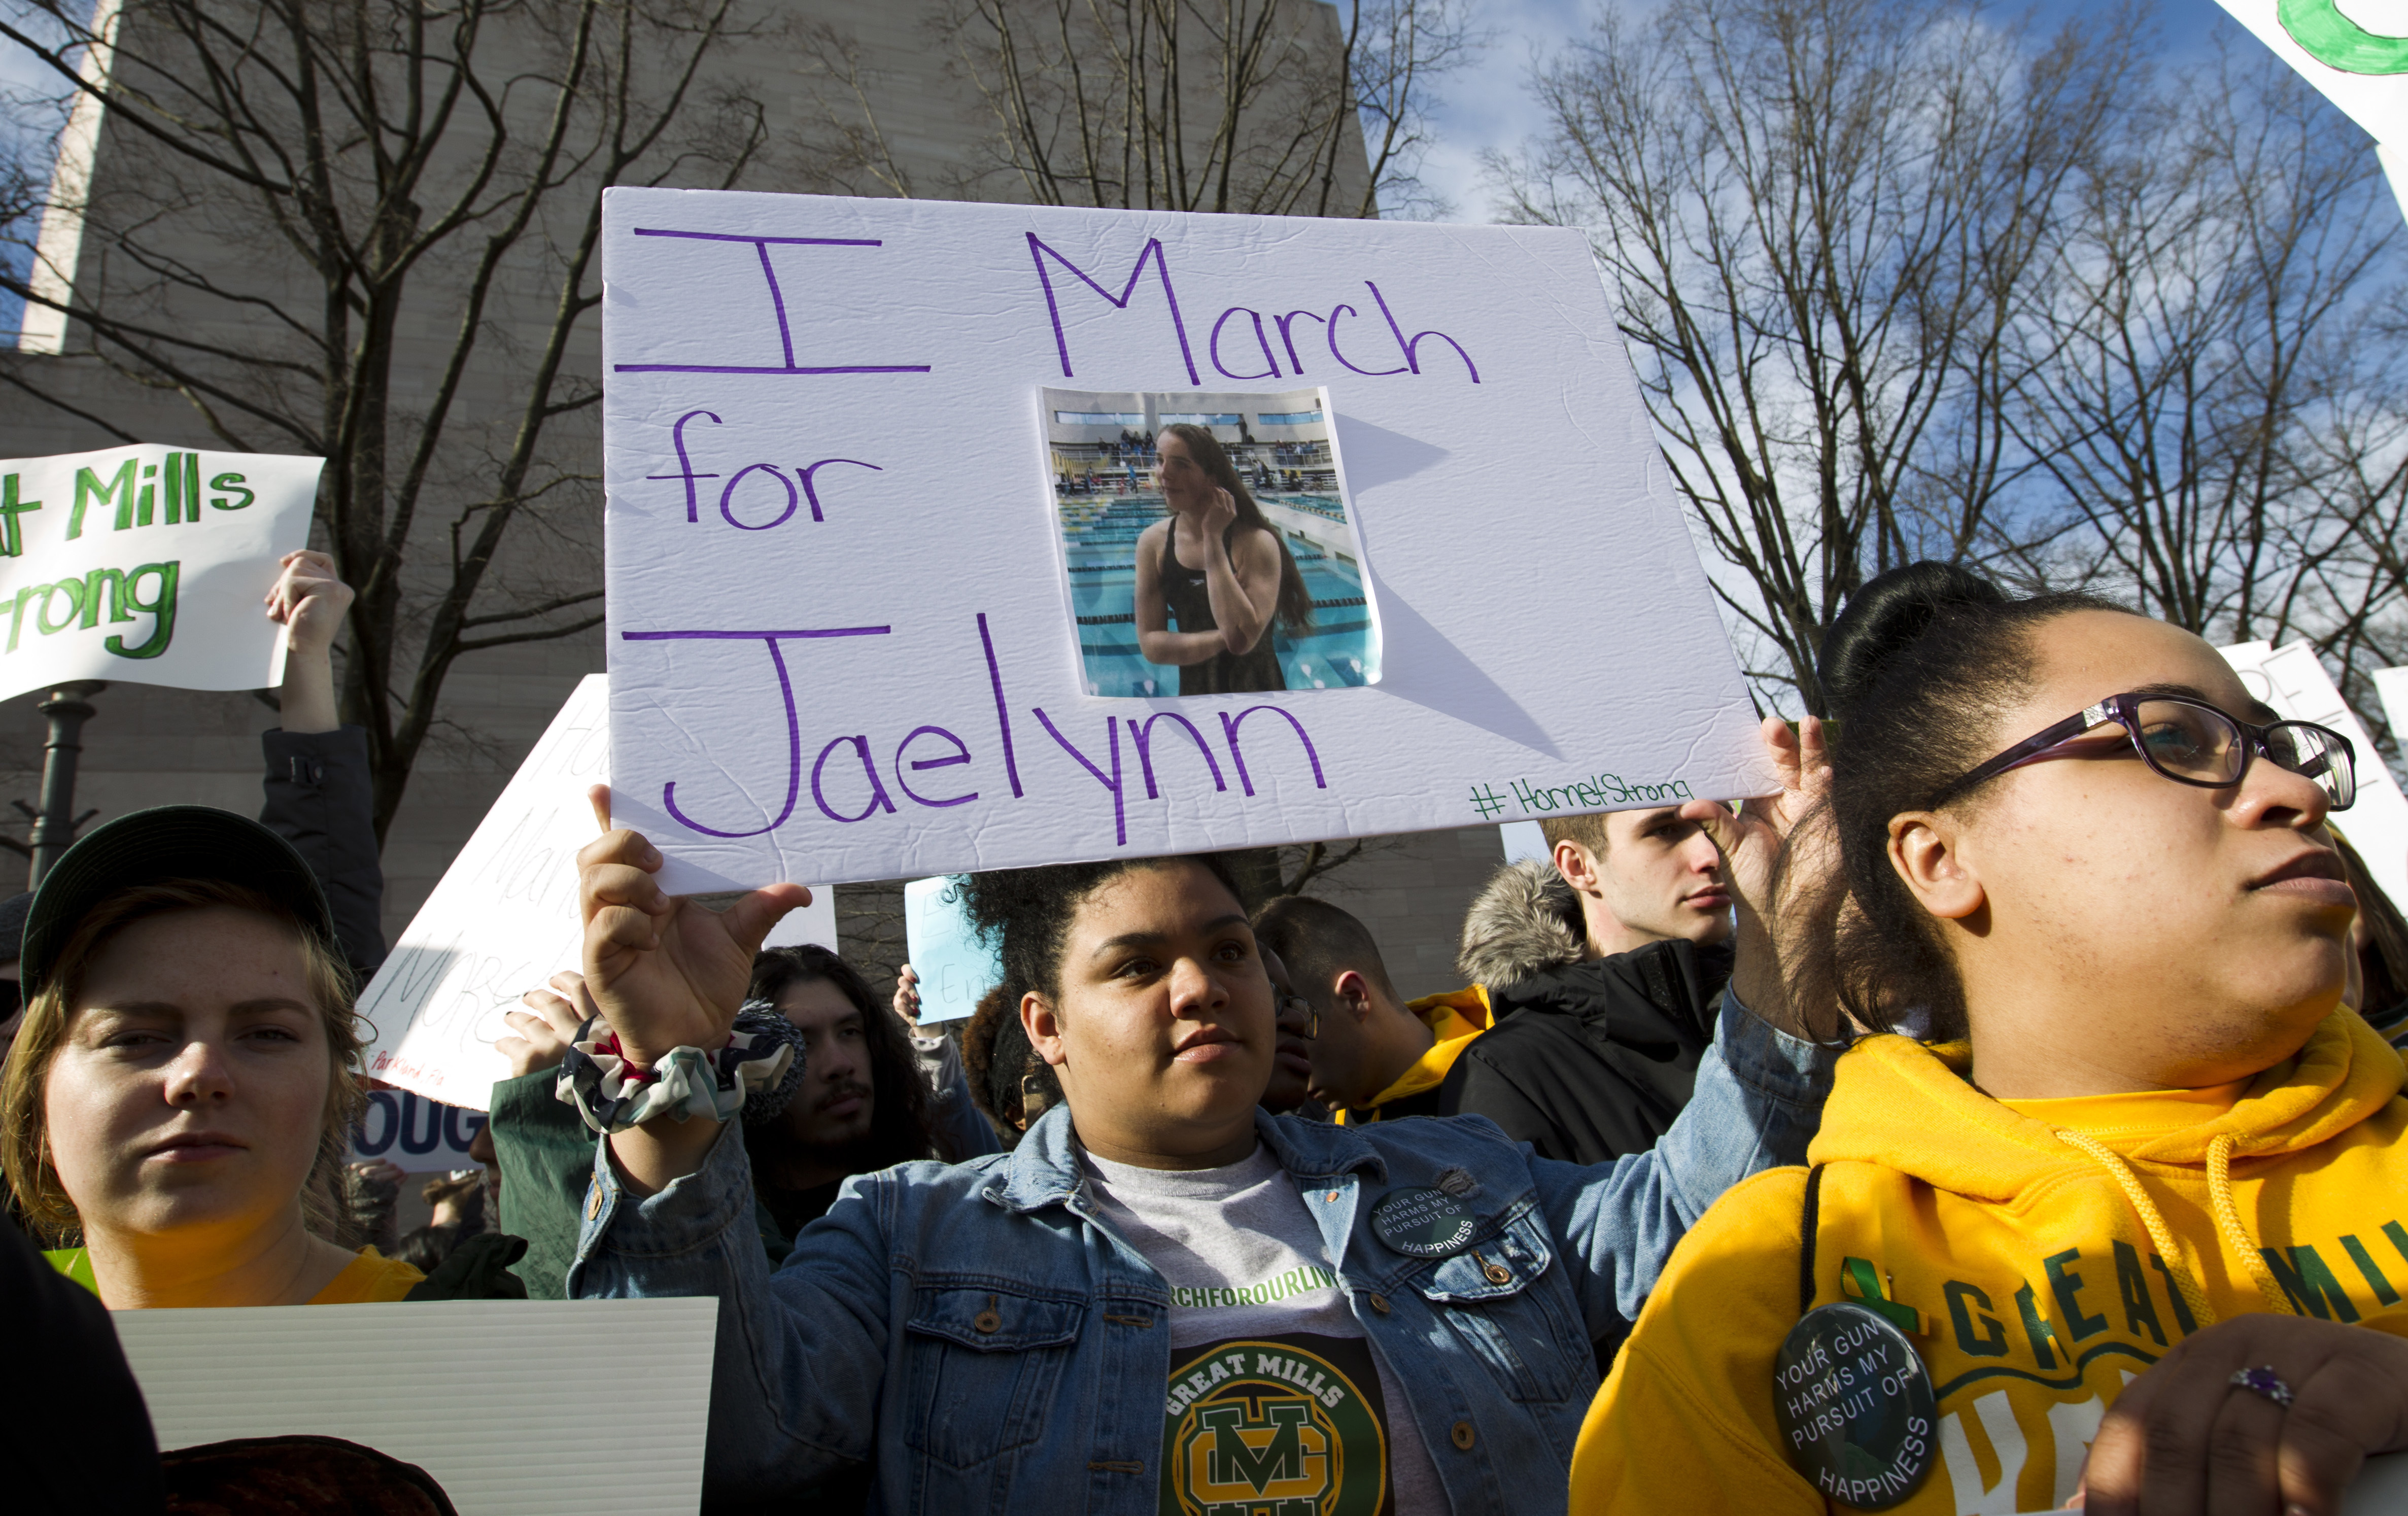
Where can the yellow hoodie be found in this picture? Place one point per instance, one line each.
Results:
(2039, 1255)
(1454, 1017)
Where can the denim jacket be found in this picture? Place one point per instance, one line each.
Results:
(986, 1340)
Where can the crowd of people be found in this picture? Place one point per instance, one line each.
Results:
(2007, 1112)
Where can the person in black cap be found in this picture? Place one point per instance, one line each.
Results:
(187, 1073)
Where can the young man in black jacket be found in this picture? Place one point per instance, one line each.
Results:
(1603, 971)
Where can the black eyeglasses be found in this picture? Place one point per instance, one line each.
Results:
(1298, 1006)
(2191, 742)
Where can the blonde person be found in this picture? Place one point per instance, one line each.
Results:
(2123, 1216)
(187, 1073)
(1216, 566)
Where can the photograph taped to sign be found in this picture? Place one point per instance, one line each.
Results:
(147, 565)
(1170, 507)
(835, 633)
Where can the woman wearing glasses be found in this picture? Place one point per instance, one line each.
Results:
(2121, 1211)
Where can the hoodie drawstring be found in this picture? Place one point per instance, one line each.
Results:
(2227, 1222)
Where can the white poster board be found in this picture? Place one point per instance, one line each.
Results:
(840, 633)
(2292, 679)
(2391, 684)
(2358, 69)
(147, 565)
(507, 1403)
(503, 919)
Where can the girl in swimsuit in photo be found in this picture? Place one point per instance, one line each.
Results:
(1217, 567)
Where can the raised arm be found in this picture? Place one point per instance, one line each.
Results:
(320, 796)
(1758, 1103)
(798, 1365)
(1760, 1088)
(666, 972)
(1241, 577)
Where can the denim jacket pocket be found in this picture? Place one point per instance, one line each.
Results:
(981, 1362)
(1496, 1296)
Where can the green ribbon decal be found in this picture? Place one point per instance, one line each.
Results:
(2332, 38)
(1861, 1282)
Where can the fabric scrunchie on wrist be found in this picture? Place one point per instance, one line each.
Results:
(613, 1093)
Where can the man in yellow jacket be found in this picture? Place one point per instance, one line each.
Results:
(1375, 1057)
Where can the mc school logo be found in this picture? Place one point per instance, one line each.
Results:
(1274, 1427)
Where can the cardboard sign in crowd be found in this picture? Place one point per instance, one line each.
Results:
(501, 922)
(854, 548)
(147, 565)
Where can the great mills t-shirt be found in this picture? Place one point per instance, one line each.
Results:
(1276, 1400)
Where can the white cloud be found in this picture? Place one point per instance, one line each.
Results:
(1489, 104)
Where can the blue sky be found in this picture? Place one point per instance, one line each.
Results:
(1489, 106)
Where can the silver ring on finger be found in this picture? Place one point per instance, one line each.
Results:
(2264, 1381)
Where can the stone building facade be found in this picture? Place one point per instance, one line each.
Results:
(151, 746)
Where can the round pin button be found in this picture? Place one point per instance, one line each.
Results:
(1854, 1407)
(1423, 1223)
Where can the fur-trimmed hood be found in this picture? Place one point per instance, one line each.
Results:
(1525, 920)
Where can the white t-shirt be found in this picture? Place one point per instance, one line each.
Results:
(1275, 1394)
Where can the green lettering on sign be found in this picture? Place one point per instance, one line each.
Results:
(119, 489)
(2333, 39)
(13, 540)
(162, 605)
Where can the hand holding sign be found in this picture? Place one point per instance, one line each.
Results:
(1751, 840)
(2189, 1433)
(666, 972)
(548, 1026)
(310, 601)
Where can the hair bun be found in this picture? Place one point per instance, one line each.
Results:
(1886, 617)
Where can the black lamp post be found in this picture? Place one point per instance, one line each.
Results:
(54, 825)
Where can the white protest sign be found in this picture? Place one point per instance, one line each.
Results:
(2357, 69)
(2292, 679)
(494, 1399)
(841, 641)
(2392, 685)
(147, 565)
(503, 920)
